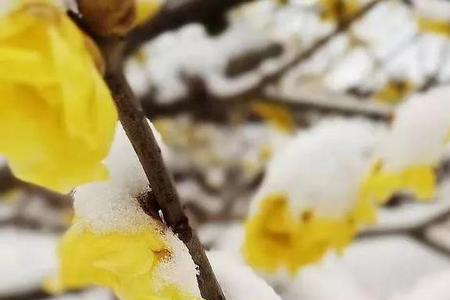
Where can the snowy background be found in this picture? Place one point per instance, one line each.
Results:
(199, 93)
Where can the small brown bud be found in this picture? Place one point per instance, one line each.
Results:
(109, 17)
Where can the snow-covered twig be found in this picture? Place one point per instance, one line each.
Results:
(149, 154)
(175, 14)
(417, 232)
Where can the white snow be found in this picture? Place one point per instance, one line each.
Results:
(419, 132)
(323, 167)
(433, 9)
(435, 287)
(376, 269)
(237, 280)
(112, 205)
(179, 270)
(26, 259)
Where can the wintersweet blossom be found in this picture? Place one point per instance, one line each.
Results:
(338, 10)
(57, 115)
(414, 146)
(313, 197)
(114, 244)
(433, 16)
(131, 264)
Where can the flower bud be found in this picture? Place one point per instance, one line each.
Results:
(109, 17)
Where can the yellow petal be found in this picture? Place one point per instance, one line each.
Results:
(277, 239)
(58, 115)
(278, 116)
(124, 262)
(338, 10)
(437, 27)
(418, 180)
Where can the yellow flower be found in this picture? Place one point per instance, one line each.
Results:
(438, 27)
(418, 180)
(394, 91)
(338, 10)
(278, 116)
(124, 262)
(57, 116)
(277, 239)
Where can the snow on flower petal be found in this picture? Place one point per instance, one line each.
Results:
(54, 102)
(128, 263)
(413, 148)
(114, 244)
(313, 197)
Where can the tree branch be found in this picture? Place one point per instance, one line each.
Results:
(309, 52)
(417, 232)
(176, 14)
(149, 154)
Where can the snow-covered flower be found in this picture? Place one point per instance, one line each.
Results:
(114, 244)
(413, 147)
(433, 16)
(311, 199)
(54, 102)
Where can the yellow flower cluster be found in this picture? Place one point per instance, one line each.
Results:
(277, 239)
(124, 262)
(57, 114)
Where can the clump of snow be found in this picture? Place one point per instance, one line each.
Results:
(237, 280)
(324, 281)
(359, 62)
(433, 9)
(223, 236)
(112, 205)
(392, 265)
(179, 269)
(372, 269)
(435, 287)
(322, 168)
(26, 258)
(419, 132)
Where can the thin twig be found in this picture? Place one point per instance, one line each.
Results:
(144, 143)
(309, 52)
(417, 232)
(176, 14)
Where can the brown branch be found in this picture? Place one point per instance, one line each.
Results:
(176, 14)
(216, 109)
(417, 232)
(33, 294)
(252, 59)
(202, 102)
(149, 154)
(309, 52)
(27, 295)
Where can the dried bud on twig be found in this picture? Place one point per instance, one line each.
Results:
(108, 17)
